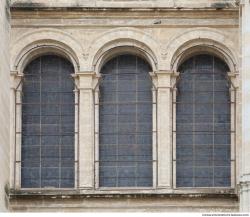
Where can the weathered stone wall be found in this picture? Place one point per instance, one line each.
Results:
(88, 37)
(4, 100)
(245, 70)
(126, 203)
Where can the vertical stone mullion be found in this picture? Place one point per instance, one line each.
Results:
(96, 109)
(164, 127)
(154, 140)
(76, 142)
(86, 130)
(174, 134)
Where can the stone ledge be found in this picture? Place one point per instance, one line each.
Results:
(178, 4)
(117, 9)
(77, 195)
(128, 203)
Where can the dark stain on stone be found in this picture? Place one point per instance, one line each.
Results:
(36, 195)
(27, 5)
(220, 5)
(7, 10)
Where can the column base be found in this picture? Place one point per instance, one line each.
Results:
(245, 196)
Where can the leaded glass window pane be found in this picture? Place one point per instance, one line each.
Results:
(125, 123)
(203, 134)
(48, 120)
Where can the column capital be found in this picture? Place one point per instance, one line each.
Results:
(86, 74)
(16, 78)
(234, 78)
(165, 73)
(16, 74)
(233, 74)
(163, 78)
(87, 79)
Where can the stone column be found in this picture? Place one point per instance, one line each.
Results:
(86, 85)
(164, 128)
(245, 152)
(15, 129)
(235, 93)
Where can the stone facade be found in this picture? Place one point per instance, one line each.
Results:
(164, 33)
(4, 100)
(245, 68)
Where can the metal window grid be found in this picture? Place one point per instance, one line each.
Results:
(204, 133)
(125, 156)
(46, 128)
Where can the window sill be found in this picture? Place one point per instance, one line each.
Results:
(123, 192)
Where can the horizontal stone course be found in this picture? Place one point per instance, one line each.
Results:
(149, 204)
(125, 3)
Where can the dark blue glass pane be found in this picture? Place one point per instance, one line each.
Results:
(203, 124)
(31, 177)
(125, 139)
(48, 120)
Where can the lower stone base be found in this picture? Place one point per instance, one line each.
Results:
(124, 203)
(245, 196)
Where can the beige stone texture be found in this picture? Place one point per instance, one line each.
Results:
(125, 3)
(125, 203)
(245, 70)
(88, 38)
(4, 101)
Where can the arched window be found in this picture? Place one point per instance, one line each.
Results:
(125, 127)
(203, 136)
(48, 118)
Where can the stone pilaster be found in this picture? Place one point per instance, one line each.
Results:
(86, 85)
(162, 81)
(245, 151)
(15, 129)
(4, 99)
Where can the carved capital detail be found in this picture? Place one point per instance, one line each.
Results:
(234, 78)
(164, 78)
(16, 78)
(87, 80)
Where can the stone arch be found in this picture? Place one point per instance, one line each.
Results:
(43, 41)
(200, 40)
(122, 40)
